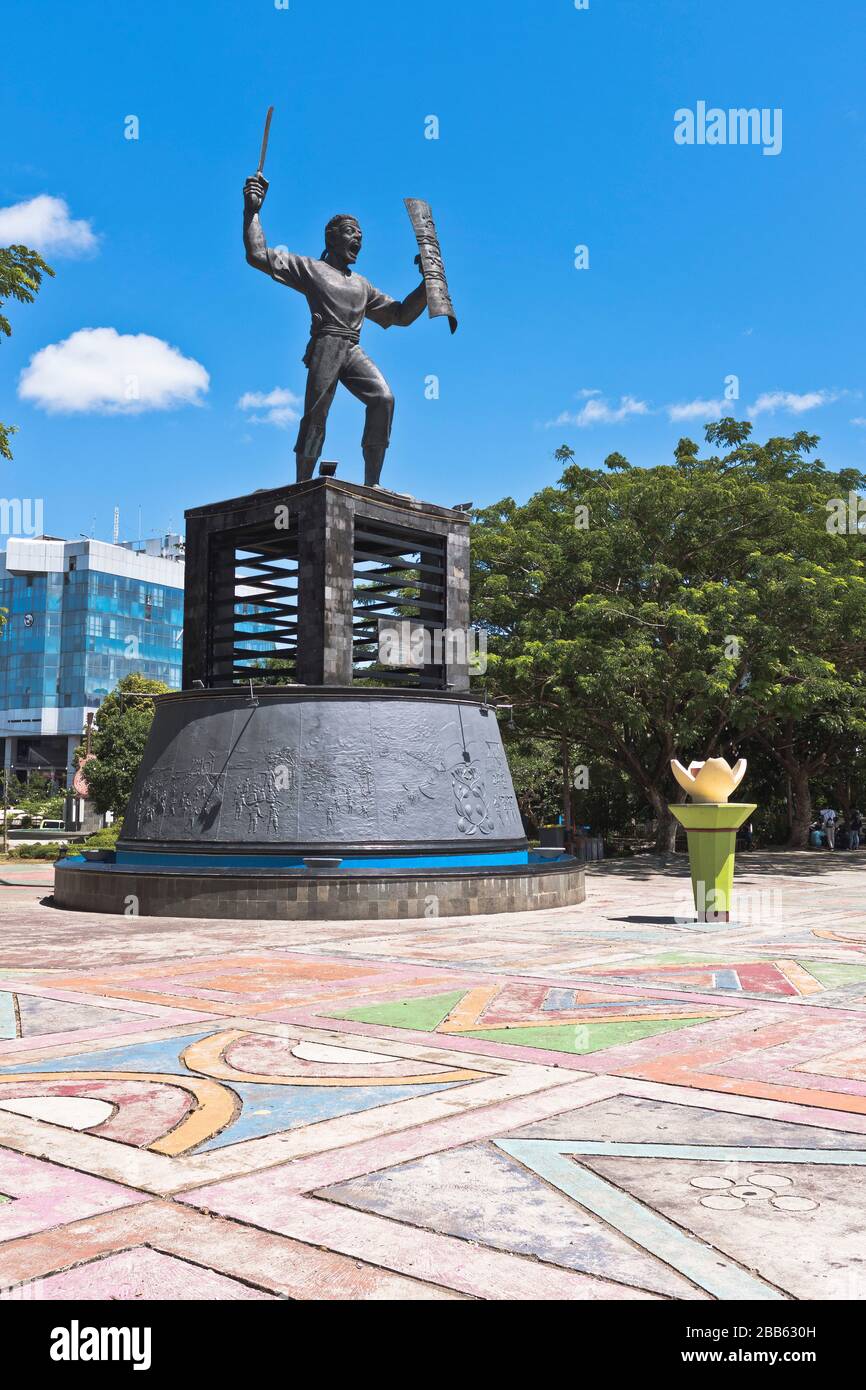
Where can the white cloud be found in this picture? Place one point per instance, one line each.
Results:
(771, 401)
(110, 373)
(698, 410)
(279, 406)
(597, 411)
(44, 223)
(859, 420)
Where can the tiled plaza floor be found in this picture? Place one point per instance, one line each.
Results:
(603, 1102)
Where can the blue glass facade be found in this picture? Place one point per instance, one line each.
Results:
(70, 637)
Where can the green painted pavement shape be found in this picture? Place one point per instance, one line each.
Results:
(424, 1015)
(581, 1038)
(831, 972)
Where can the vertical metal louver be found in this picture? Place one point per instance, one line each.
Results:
(400, 575)
(254, 607)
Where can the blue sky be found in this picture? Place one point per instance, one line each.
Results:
(556, 129)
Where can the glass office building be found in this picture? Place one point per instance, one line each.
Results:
(80, 616)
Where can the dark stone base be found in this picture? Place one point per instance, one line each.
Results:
(233, 894)
(312, 771)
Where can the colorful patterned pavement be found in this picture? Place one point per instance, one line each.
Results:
(603, 1102)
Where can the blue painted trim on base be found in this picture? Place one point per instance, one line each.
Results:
(472, 860)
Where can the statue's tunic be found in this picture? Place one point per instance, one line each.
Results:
(339, 302)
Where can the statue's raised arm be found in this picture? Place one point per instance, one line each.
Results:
(255, 192)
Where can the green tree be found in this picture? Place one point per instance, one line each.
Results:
(21, 272)
(40, 795)
(121, 727)
(651, 613)
(803, 700)
(536, 774)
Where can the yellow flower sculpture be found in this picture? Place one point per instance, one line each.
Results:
(712, 781)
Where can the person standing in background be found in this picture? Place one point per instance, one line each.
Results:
(828, 825)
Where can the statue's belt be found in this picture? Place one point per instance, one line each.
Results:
(349, 335)
(353, 334)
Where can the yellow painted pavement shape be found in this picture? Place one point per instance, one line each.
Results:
(216, 1106)
(468, 1010)
(208, 1056)
(858, 939)
(468, 1014)
(796, 975)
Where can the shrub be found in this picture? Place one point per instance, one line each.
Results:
(38, 851)
(106, 838)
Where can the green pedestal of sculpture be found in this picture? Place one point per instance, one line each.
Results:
(711, 830)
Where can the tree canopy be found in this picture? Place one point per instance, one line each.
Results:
(687, 610)
(21, 273)
(122, 724)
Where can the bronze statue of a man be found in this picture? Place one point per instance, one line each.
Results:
(339, 302)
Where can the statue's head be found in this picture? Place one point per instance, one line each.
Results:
(343, 239)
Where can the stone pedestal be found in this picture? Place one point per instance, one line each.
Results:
(299, 772)
(307, 570)
(364, 773)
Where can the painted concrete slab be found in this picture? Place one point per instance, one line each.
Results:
(143, 1273)
(800, 1227)
(601, 1102)
(478, 1189)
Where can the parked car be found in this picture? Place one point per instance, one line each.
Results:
(52, 825)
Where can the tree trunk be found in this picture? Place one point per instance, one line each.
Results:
(666, 825)
(802, 809)
(567, 825)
